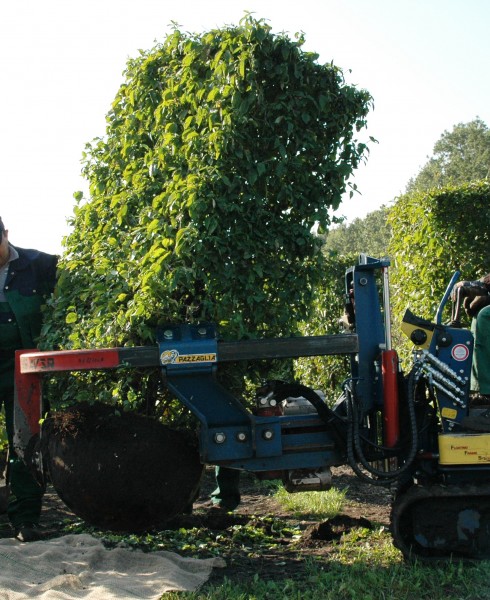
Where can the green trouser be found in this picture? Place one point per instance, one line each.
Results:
(227, 494)
(25, 493)
(480, 372)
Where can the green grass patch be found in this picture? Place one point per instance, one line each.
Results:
(321, 505)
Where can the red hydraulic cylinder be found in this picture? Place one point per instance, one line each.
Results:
(389, 360)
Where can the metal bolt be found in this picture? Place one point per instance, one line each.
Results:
(267, 434)
(168, 334)
(202, 331)
(219, 438)
(363, 281)
(241, 436)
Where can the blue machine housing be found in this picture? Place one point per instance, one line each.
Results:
(232, 435)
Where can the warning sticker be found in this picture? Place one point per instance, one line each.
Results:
(460, 352)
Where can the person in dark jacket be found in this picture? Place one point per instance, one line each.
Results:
(27, 278)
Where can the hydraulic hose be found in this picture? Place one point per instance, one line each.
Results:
(355, 453)
(284, 390)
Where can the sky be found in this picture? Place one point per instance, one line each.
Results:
(425, 62)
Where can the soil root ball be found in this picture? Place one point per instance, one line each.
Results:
(119, 470)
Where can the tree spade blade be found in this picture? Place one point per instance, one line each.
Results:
(120, 471)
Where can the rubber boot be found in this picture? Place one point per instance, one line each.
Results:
(227, 494)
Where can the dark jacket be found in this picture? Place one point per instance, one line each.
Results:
(31, 279)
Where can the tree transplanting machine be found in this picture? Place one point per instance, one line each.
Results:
(396, 430)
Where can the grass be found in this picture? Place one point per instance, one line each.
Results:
(323, 505)
(363, 565)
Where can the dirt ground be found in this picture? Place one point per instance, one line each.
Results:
(366, 506)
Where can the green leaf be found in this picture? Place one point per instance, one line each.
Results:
(243, 59)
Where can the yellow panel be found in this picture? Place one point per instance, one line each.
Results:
(464, 448)
(407, 329)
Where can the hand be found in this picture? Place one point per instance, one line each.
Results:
(454, 291)
(473, 306)
(469, 289)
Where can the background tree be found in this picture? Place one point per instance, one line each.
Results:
(436, 229)
(326, 373)
(342, 246)
(440, 224)
(370, 235)
(460, 156)
(222, 151)
(436, 233)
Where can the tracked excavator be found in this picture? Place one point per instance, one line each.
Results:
(401, 430)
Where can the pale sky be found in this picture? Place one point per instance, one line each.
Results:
(425, 62)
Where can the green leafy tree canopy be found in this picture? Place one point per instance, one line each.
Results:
(460, 156)
(222, 151)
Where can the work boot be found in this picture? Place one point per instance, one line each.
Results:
(28, 532)
(477, 420)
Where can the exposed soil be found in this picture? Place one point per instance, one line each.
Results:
(366, 506)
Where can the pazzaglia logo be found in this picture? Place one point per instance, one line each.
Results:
(172, 357)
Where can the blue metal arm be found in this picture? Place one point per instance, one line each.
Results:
(446, 296)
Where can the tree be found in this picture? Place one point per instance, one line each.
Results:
(222, 152)
(460, 156)
(435, 234)
(327, 372)
(370, 235)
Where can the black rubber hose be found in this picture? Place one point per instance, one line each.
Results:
(355, 453)
(283, 390)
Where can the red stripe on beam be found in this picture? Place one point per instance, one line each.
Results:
(69, 360)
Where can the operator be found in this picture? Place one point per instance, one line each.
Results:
(27, 278)
(477, 305)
